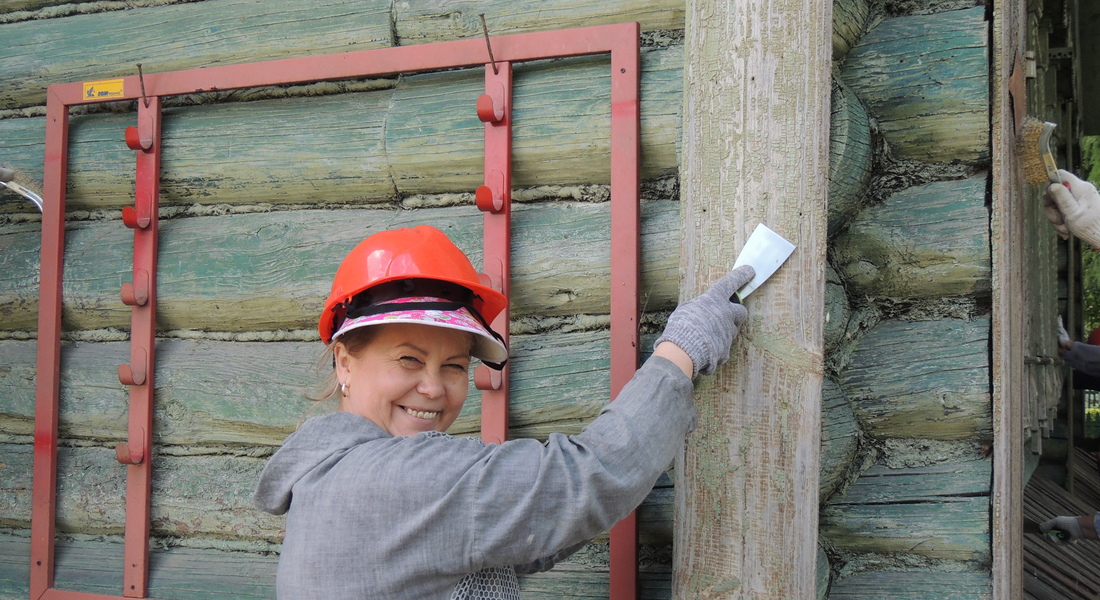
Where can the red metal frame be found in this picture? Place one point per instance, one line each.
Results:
(494, 107)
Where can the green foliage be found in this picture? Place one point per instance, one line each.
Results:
(1090, 261)
(1090, 157)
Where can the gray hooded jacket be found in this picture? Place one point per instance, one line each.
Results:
(375, 516)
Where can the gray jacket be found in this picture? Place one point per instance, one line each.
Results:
(375, 516)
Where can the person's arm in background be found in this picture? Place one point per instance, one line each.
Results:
(1078, 355)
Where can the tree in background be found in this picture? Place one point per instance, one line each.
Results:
(1090, 261)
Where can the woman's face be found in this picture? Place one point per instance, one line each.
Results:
(409, 378)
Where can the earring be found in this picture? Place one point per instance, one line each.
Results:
(343, 389)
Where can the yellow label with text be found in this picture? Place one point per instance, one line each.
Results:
(99, 90)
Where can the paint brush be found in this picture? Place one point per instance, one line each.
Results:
(27, 189)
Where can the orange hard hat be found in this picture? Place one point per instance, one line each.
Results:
(418, 253)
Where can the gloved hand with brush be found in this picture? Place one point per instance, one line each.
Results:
(1073, 207)
(704, 327)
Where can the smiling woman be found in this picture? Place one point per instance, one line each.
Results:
(409, 379)
(382, 503)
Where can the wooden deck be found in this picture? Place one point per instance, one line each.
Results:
(1054, 571)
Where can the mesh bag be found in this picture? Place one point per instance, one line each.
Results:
(496, 583)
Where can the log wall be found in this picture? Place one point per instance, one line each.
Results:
(911, 520)
(261, 189)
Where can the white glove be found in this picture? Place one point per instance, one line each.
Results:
(1063, 529)
(1075, 208)
(1063, 338)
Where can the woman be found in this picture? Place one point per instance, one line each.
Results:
(381, 504)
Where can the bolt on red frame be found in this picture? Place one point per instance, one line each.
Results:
(494, 108)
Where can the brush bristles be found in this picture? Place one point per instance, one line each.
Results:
(1027, 152)
(12, 174)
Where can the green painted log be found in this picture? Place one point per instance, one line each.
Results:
(850, 19)
(369, 147)
(200, 496)
(211, 393)
(924, 379)
(925, 79)
(109, 44)
(839, 439)
(430, 21)
(939, 511)
(914, 585)
(850, 156)
(265, 271)
(95, 566)
(926, 241)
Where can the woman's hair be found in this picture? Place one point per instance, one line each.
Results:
(355, 341)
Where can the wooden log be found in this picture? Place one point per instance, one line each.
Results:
(914, 585)
(90, 47)
(925, 79)
(926, 379)
(369, 146)
(938, 511)
(181, 573)
(850, 155)
(756, 76)
(839, 439)
(927, 241)
(208, 393)
(265, 271)
(445, 20)
(194, 496)
(850, 19)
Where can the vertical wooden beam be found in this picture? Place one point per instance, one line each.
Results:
(755, 149)
(1013, 302)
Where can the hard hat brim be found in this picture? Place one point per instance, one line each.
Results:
(486, 346)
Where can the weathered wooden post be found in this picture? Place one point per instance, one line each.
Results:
(755, 149)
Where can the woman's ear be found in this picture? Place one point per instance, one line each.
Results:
(342, 361)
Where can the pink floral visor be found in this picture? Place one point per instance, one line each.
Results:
(486, 346)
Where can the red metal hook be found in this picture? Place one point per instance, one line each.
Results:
(136, 293)
(127, 455)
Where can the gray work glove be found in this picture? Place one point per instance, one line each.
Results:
(1076, 208)
(1063, 529)
(704, 327)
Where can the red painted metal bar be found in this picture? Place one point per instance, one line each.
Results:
(48, 381)
(494, 107)
(141, 295)
(621, 41)
(600, 39)
(625, 258)
(70, 595)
